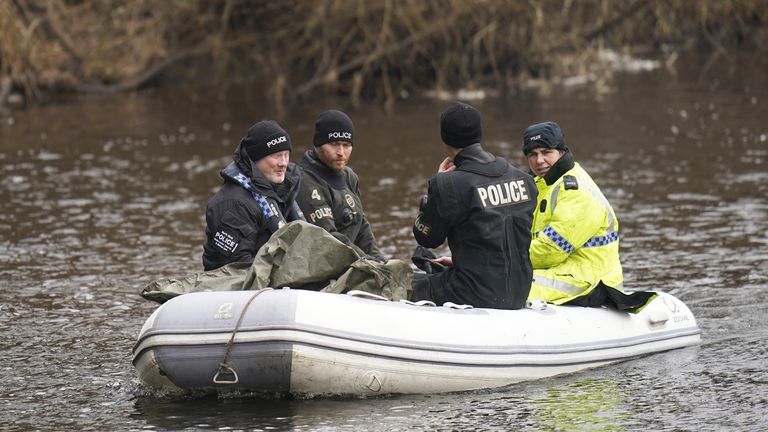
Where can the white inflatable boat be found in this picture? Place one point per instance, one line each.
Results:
(280, 342)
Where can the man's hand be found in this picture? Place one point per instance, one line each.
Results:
(446, 166)
(445, 260)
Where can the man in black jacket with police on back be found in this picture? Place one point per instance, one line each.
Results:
(484, 207)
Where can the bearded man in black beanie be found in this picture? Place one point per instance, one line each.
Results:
(484, 207)
(329, 195)
(257, 197)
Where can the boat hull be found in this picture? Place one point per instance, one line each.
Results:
(309, 343)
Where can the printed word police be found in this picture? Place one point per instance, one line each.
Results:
(277, 141)
(339, 135)
(225, 241)
(324, 212)
(422, 227)
(501, 194)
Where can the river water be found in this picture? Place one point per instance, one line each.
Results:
(100, 195)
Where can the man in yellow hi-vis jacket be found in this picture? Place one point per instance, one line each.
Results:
(575, 245)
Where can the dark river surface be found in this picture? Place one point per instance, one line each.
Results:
(100, 195)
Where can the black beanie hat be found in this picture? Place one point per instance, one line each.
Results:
(264, 138)
(460, 125)
(333, 125)
(547, 134)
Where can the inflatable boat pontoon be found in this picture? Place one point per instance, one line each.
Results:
(287, 341)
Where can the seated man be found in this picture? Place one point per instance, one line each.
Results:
(329, 195)
(257, 197)
(484, 207)
(575, 246)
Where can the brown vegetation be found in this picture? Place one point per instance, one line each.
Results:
(375, 49)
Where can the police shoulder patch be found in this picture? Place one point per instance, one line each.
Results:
(570, 182)
(226, 242)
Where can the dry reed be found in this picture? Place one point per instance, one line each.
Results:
(375, 49)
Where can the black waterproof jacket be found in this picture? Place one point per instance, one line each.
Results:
(331, 200)
(236, 227)
(484, 208)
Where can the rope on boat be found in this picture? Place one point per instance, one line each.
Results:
(225, 374)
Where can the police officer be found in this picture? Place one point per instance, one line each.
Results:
(484, 207)
(257, 197)
(329, 195)
(575, 245)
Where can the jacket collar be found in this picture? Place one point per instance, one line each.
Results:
(476, 160)
(314, 165)
(562, 166)
(473, 153)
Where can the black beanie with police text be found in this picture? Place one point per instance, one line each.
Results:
(546, 134)
(461, 125)
(333, 125)
(264, 138)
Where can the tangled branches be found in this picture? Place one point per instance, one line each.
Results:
(376, 49)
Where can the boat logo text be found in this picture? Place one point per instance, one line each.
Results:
(224, 312)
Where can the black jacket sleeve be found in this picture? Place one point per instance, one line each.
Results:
(365, 239)
(294, 213)
(367, 242)
(431, 227)
(233, 234)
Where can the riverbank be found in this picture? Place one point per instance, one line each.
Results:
(362, 50)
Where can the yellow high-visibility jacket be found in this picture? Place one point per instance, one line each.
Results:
(575, 236)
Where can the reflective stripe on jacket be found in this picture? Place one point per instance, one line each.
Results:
(575, 237)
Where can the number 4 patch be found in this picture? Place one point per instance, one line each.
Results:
(316, 195)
